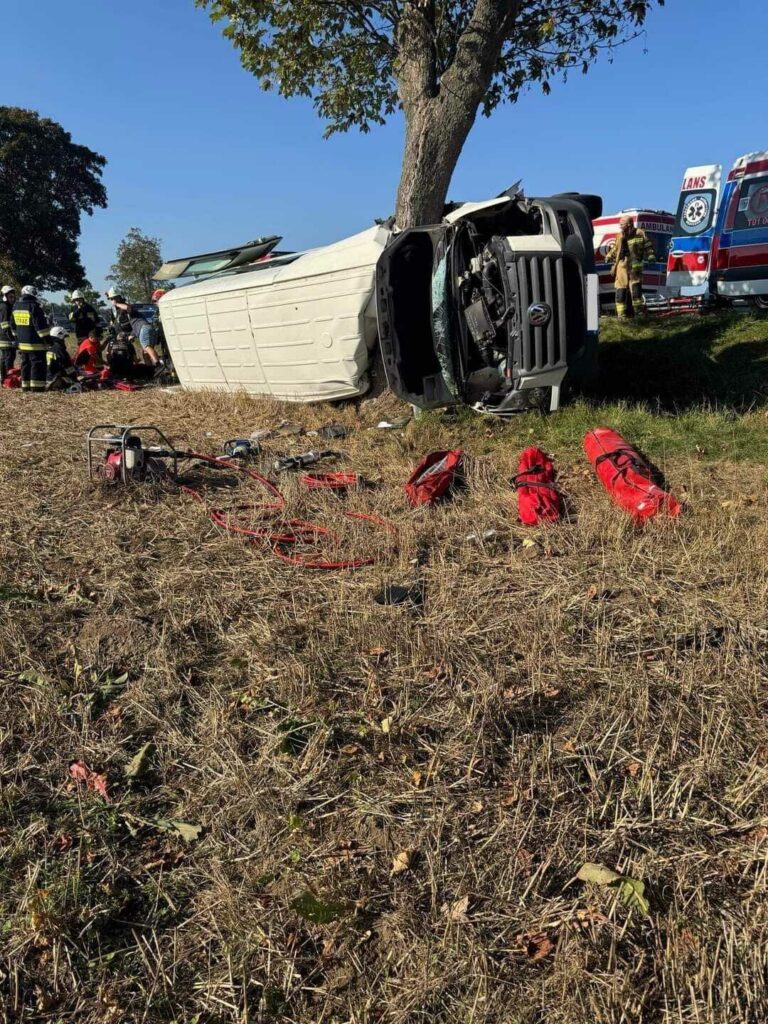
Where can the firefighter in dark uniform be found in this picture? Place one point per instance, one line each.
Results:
(83, 316)
(32, 330)
(60, 371)
(7, 340)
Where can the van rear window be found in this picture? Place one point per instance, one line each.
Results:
(753, 204)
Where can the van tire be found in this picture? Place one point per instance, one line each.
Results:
(760, 303)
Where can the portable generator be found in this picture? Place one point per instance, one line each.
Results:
(125, 454)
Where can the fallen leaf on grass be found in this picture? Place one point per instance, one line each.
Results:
(350, 749)
(317, 911)
(633, 769)
(631, 890)
(188, 832)
(401, 862)
(386, 724)
(95, 783)
(539, 946)
(588, 915)
(139, 761)
(62, 843)
(378, 653)
(456, 911)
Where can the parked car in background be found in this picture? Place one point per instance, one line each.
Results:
(659, 226)
(720, 250)
(494, 307)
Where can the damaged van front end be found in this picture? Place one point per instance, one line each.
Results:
(494, 308)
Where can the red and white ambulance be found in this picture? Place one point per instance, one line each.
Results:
(659, 226)
(719, 254)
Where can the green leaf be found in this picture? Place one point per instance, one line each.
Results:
(189, 833)
(632, 894)
(631, 890)
(295, 738)
(139, 761)
(318, 911)
(30, 676)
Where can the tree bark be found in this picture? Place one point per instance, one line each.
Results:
(439, 114)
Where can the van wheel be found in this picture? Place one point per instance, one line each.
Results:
(761, 303)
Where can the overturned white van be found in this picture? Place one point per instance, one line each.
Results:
(493, 305)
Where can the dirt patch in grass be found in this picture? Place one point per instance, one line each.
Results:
(338, 811)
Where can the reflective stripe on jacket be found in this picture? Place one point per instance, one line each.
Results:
(639, 247)
(6, 327)
(30, 325)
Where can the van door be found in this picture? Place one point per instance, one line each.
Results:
(414, 305)
(688, 264)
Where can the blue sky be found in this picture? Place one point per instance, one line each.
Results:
(200, 157)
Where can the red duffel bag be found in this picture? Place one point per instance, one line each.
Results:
(538, 500)
(627, 476)
(433, 477)
(12, 379)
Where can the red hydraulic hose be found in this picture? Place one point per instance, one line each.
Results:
(298, 531)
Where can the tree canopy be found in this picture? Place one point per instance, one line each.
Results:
(46, 183)
(441, 61)
(137, 261)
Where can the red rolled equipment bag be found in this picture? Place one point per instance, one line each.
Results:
(627, 476)
(538, 500)
(433, 477)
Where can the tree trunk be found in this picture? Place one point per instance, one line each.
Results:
(440, 111)
(434, 139)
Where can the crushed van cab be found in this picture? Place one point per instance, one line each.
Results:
(495, 307)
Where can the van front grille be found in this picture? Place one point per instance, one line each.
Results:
(556, 282)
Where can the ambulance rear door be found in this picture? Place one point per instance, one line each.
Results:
(688, 265)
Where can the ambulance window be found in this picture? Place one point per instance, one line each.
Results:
(660, 245)
(753, 204)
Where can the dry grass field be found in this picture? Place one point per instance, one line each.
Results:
(322, 809)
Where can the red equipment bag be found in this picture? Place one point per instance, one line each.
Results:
(627, 476)
(12, 379)
(538, 500)
(433, 477)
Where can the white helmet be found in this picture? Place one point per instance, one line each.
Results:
(6, 289)
(113, 293)
(58, 332)
(77, 294)
(29, 289)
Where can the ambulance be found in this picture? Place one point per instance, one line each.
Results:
(659, 227)
(720, 250)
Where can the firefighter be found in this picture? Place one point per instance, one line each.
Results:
(32, 331)
(60, 373)
(83, 315)
(630, 251)
(7, 340)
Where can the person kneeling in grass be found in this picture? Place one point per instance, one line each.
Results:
(88, 358)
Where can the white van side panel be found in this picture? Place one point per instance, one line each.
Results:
(301, 332)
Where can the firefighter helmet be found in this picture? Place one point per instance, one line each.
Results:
(113, 293)
(6, 289)
(77, 294)
(58, 332)
(29, 289)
